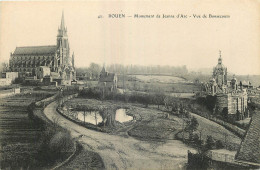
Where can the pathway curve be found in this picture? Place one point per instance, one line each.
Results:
(120, 152)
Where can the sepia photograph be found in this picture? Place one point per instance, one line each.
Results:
(133, 85)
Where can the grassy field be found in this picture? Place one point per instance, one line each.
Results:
(156, 129)
(218, 132)
(166, 87)
(157, 78)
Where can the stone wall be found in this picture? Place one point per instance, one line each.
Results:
(222, 102)
(233, 102)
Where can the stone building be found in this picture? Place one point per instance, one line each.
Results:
(10, 75)
(42, 71)
(57, 58)
(107, 81)
(231, 98)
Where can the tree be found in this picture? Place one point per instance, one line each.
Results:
(95, 70)
(192, 126)
(219, 144)
(210, 143)
(167, 101)
(158, 97)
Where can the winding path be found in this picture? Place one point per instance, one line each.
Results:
(120, 152)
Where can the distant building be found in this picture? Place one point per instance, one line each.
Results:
(28, 60)
(107, 81)
(7, 78)
(10, 75)
(231, 99)
(5, 82)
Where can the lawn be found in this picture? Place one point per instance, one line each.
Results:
(218, 132)
(166, 87)
(159, 79)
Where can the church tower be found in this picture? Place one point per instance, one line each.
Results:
(63, 50)
(220, 72)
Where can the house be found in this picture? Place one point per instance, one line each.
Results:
(107, 81)
(10, 75)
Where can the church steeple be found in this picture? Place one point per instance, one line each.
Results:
(62, 24)
(63, 50)
(62, 31)
(103, 69)
(219, 59)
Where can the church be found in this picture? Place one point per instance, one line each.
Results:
(53, 61)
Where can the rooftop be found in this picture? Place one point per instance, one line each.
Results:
(250, 147)
(29, 50)
(108, 77)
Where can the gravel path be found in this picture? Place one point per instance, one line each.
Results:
(126, 152)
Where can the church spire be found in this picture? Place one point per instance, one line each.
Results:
(62, 24)
(219, 59)
(103, 71)
(62, 29)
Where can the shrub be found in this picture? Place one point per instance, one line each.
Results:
(210, 143)
(54, 141)
(219, 144)
(60, 142)
(196, 139)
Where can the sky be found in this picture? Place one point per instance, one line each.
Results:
(194, 42)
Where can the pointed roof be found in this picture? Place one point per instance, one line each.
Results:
(109, 77)
(62, 31)
(103, 69)
(219, 59)
(62, 24)
(219, 65)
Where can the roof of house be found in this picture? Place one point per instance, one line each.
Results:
(250, 146)
(35, 50)
(108, 77)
